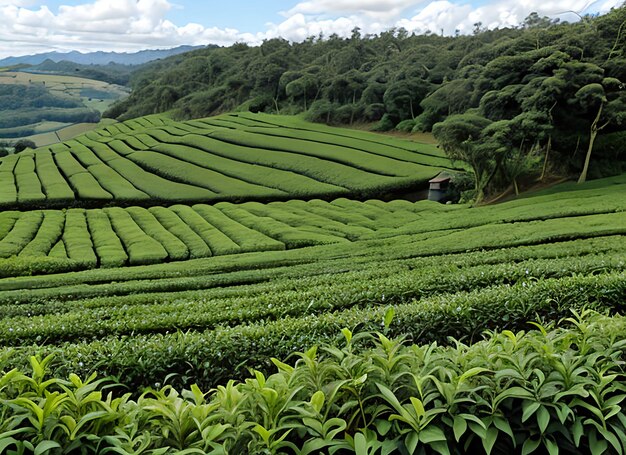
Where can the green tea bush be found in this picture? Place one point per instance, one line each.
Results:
(232, 159)
(149, 183)
(291, 237)
(131, 141)
(8, 190)
(80, 152)
(303, 218)
(312, 297)
(114, 183)
(109, 179)
(376, 164)
(147, 140)
(172, 222)
(141, 248)
(24, 230)
(553, 389)
(83, 183)
(77, 239)
(321, 208)
(58, 251)
(55, 186)
(156, 186)
(120, 147)
(181, 171)
(7, 221)
(302, 221)
(218, 242)
(49, 233)
(7, 164)
(211, 357)
(109, 249)
(176, 249)
(229, 179)
(247, 239)
(340, 176)
(343, 139)
(27, 181)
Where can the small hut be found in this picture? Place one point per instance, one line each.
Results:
(438, 189)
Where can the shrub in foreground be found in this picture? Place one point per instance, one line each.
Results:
(553, 389)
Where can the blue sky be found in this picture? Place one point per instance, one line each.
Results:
(31, 26)
(246, 15)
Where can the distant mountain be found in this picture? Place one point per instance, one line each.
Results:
(98, 58)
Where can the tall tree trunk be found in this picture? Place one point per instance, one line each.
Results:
(577, 146)
(583, 174)
(592, 138)
(276, 105)
(545, 161)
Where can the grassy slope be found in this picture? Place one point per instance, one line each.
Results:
(231, 157)
(114, 237)
(539, 255)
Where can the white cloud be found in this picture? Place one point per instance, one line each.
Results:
(131, 25)
(380, 9)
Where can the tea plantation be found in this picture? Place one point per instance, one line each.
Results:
(236, 285)
(234, 157)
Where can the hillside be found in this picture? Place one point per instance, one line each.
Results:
(446, 271)
(539, 80)
(33, 104)
(52, 241)
(260, 283)
(234, 157)
(166, 298)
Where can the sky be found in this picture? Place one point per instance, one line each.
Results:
(30, 26)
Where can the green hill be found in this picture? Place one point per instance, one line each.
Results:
(51, 241)
(229, 158)
(353, 253)
(534, 81)
(226, 288)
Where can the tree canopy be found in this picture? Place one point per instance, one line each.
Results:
(544, 80)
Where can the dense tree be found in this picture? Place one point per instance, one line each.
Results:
(609, 100)
(543, 69)
(462, 138)
(24, 144)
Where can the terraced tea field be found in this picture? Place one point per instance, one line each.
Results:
(205, 251)
(230, 158)
(56, 241)
(293, 259)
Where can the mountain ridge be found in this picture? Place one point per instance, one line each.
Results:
(98, 57)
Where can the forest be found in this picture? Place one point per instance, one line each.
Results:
(543, 97)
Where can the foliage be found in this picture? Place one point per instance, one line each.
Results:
(554, 388)
(533, 69)
(23, 144)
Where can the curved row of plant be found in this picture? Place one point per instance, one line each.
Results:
(550, 389)
(120, 236)
(211, 357)
(157, 159)
(373, 284)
